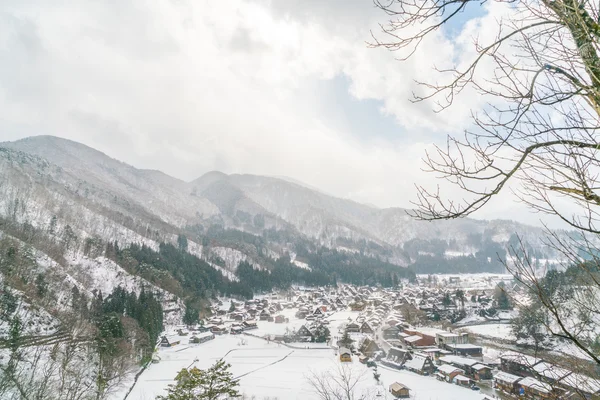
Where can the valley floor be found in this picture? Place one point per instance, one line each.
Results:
(270, 370)
(278, 371)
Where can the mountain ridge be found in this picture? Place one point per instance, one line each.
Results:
(254, 203)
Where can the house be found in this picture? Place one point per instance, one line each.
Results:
(236, 330)
(202, 337)
(366, 328)
(182, 332)
(363, 359)
(447, 372)
(518, 364)
(169, 341)
(398, 390)
(420, 337)
(218, 329)
(397, 357)
(369, 347)
(473, 368)
(531, 387)
(304, 334)
(506, 382)
(390, 332)
(353, 327)
(249, 325)
(550, 373)
(280, 319)
(345, 355)
(264, 315)
(576, 383)
(443, 338)
(237, 316)
(462, 380)
(421, 364)
(432, 352)
(465, 350)
(481, 371)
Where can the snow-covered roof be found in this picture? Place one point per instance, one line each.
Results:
(412, 339)
(461, 378)
(535, 384)
(448, 334)
(416, 363)
(464, 346)
(459, 360)
(582, 382)
(448, 369)
(551, 371)
(506, 377)
(520, 358)
(479, 367)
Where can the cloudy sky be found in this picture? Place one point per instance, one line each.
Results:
(273, 87)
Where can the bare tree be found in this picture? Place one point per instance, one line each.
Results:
(536, 136)
(339, 383)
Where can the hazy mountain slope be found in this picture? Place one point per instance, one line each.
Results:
(158, 193)
(66, 172)
(325, 217)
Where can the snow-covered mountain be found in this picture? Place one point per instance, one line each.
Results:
(98, 195)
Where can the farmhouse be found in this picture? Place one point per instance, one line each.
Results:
(397, 357)
(353, 327)
(399, 390)
(366, 328)
(518, 364)
(447, 372)
(280, 319)
(202, 337)
(506, 382)
(390, 332)
(466, 350)
(421, 364)
(472, 368)
(169, 341)
(345, 355)
(444, 338)
(533, 388)
(249, 325)
(576, 383)
(369, 347)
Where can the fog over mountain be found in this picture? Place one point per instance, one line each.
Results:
(49, 176)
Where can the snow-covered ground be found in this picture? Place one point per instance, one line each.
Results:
(277, 371)
(500, 331)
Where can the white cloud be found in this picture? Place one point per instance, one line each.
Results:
(192, 86)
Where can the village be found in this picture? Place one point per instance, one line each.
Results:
(392, 336)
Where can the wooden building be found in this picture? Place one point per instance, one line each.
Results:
(169, 341)
(506, 382)
(345, 355)
(400, 391)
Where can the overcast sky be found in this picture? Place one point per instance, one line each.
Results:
(280, 87)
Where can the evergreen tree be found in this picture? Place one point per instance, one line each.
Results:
(346, 341)
(197, 384)
(502, 299)
(191, 315)
(182, 242)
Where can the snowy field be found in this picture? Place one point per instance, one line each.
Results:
(480, 281)
(500, 331)
(270, 370)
